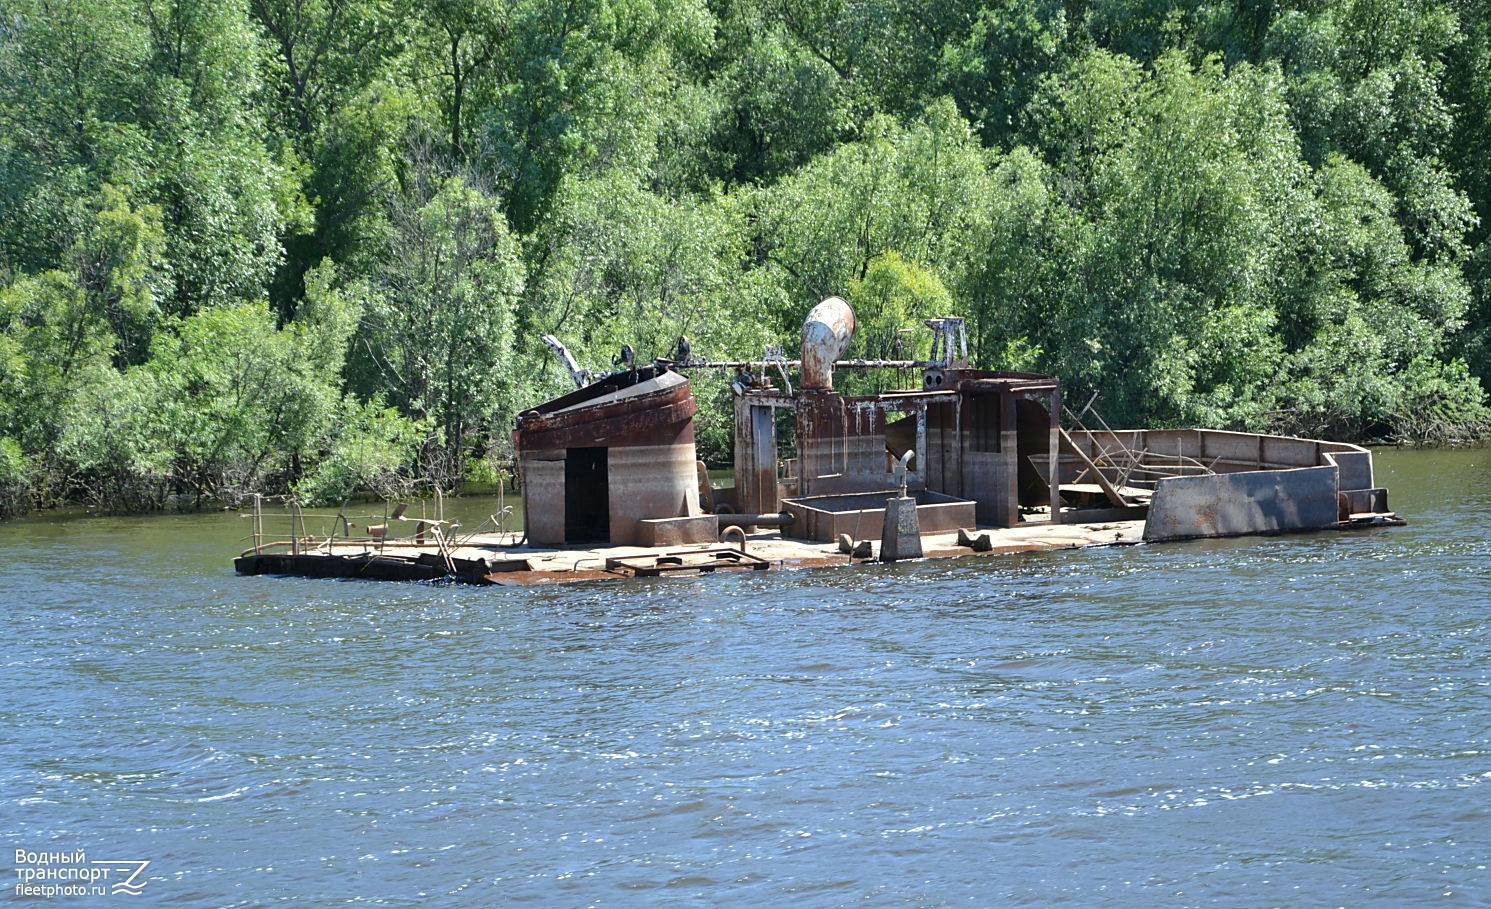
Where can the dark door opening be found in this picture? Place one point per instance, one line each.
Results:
(587, 499)
(1033, 441)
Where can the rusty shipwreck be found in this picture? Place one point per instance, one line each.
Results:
(963, 461)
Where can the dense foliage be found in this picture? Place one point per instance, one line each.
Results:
(312, 245)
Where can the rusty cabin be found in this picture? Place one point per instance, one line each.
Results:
(613, 462)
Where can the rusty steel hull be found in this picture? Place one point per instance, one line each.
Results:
(974, 461)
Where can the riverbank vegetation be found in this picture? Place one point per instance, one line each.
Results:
(312, 245)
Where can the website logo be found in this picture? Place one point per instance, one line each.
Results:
(53, 874)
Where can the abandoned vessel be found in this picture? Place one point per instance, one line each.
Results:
(969, 461)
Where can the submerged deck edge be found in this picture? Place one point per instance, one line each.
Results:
(494, 561)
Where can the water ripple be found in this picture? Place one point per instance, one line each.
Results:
(1282, 721)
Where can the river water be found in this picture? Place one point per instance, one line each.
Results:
(1295, 721)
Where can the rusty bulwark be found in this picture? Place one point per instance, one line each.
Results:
(1238, 504)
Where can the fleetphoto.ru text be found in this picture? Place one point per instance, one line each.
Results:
(52, 874)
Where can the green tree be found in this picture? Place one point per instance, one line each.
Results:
(332, 126)
(69, 121)
(780, 103)
(580, 91)
(1376, 353)
(1178, 190)
(890, 303)
(66, 331)
(439, 318)
(227, 405)
(326, 52)
(624, 265)
(996, 67)
(1016, 284)
(920, 191)
(224, 197)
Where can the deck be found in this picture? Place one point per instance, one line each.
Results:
(501, 559)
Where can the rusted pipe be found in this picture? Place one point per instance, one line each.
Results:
(825, 335)
(780, 519)
(734, 531)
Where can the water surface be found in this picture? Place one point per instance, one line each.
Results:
(1293, 721)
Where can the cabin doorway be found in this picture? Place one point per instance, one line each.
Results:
(1033, 438)
(587, 496)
